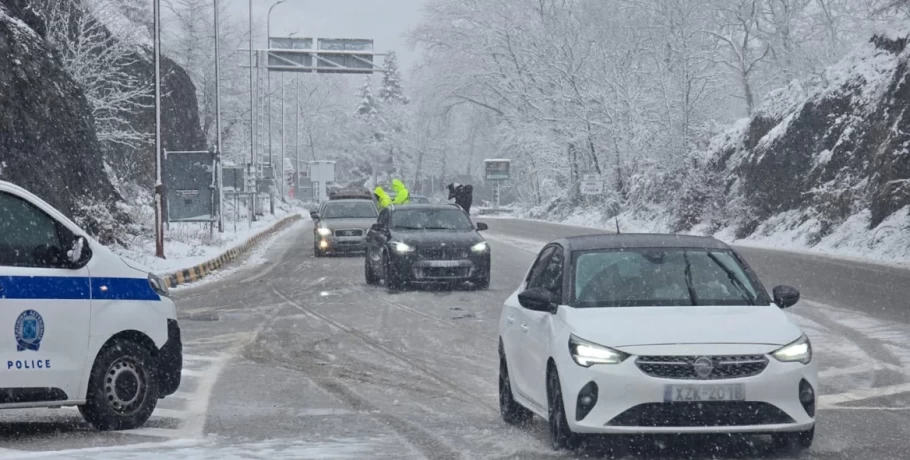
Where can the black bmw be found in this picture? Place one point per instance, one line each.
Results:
(425, 243)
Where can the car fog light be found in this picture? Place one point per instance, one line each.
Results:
(587, 398)
(807, 397)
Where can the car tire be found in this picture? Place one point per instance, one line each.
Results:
(123, 387)
(561, 435)
(317, 252)
(392, 279)
(482, 284)
(511, 412)
(371, 277)
(801, 440)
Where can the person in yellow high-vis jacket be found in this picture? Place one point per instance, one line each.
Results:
(401, 192)
(382, 198)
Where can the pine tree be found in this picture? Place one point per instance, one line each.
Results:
(367, 105)
(391, 91)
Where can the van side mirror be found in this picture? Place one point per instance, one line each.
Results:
(482, 226)
(79, 253)
(538, 299)
(785, 296)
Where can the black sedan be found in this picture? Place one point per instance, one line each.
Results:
(426, 243)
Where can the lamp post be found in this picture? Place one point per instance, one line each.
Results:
(159, 186)
(268, 76)
(218, 158)
(253, 177)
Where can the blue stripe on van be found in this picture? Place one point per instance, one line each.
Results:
(75, 288)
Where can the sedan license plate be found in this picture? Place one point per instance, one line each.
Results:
(700, 393)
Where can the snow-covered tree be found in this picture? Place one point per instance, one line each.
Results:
(391, 91)
(367, 106)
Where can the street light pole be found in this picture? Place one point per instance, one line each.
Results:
(218, 158)
(268, 33)
(159, 186)
(255, 186)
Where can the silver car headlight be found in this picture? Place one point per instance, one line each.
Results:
(480, 247)
(799, 351)
(158, 285)
(324, 231)
(402, 248)
(586, 354)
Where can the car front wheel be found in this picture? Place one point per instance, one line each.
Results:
(511, 412)
(370, 275)
(560, 434)
(392, 278)
(123, 387)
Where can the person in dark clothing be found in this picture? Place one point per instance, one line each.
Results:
(463, 194)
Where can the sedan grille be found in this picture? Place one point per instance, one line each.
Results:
(684, 367)
(349, 232)
(442, 253)
(702, 414)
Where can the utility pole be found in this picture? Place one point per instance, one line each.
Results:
(297, 144)
(218, 158)
(159, 186)
(281, 167)
(268, 76)
(255, 186)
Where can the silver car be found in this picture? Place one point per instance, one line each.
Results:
(340, 226)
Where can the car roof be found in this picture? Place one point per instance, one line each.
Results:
(348, 200)
(639, 240)
(424, 206)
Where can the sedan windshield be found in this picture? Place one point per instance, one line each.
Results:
(349, 210)
(431, 219)
(662, 277)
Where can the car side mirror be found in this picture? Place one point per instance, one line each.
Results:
(314, 215)
(482, 226)
(377, 227)
(79, 253)
(785, 296)
(538, 299)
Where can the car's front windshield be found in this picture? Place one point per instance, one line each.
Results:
(662, 277)
(431, 219)
(349, 210)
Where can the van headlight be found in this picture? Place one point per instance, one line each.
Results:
(158, 285)
(480, 247)
(323, 231)
(586, 354)
(403, 248)
(799, 351)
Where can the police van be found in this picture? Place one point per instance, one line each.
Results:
(79, 326)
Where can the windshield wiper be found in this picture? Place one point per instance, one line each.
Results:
(403, 227)
(743, 291)
(692, 294)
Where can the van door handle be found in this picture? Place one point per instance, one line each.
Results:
(509, 319)
(524, 327)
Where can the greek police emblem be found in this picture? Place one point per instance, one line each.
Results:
(29, 331)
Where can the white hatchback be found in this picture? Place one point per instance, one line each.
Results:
(642, 334)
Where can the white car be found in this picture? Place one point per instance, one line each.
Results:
(649, 334)
(79, 326)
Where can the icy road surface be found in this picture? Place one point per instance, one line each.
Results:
(296, 357)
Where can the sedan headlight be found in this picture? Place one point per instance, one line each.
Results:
(158, 285)
(799, 351)
(323, 231)
(480, 247)
(403, 248)
(587, 353)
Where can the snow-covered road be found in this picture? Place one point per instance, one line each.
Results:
(296, 357)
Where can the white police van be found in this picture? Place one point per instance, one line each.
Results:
(79, 326)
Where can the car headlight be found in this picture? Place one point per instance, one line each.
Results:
(323, 231)
(480, 247)
(403, 248)
(158, 285)
(799, 351)
(587, 353)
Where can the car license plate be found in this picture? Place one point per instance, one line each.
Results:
(700, 393)
(444, 263)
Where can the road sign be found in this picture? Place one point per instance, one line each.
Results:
(592, 185)
(329, 55)
(497, 169)
(189, 179)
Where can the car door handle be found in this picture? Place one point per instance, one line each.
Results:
(524, 327)
(509, 319)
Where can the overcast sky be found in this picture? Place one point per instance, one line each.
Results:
(385, 21)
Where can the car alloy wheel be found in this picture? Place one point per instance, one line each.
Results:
(560, 434)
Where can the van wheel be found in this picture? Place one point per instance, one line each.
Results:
(122, 389)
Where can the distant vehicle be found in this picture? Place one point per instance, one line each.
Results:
(419, 199)
(340, 225)
(420, 243)
(81, 326)
(350, 194)
(638, 334)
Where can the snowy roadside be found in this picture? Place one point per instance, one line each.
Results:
(888, 244)
(190, 246)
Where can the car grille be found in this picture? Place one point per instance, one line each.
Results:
(683, 368)
(442, 253)
(702, 414)
(349, 232)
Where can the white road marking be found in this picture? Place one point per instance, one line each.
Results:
(827, 401)
(199, 358)
(191, 373)
(863, 368)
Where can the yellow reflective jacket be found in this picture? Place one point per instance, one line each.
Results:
(401, 192)
(384, 200)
